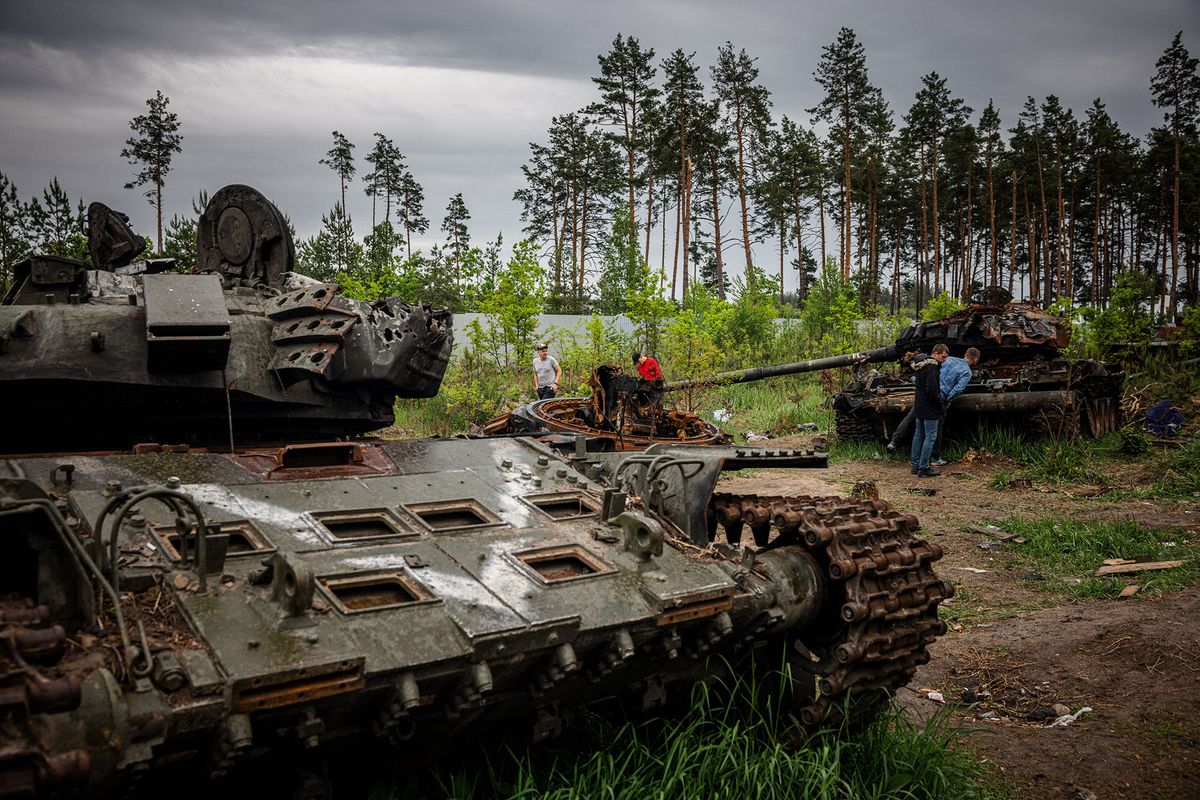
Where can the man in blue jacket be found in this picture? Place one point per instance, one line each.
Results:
(954, 376)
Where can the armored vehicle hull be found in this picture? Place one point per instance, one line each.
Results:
(179, 601)
(406, 592)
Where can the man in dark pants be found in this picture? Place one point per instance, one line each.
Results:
(546, 373)
(955, 375)
(927, 402)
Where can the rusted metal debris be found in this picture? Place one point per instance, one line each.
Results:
(622, 413)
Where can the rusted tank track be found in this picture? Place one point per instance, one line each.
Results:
(30, 684)
(880, 609)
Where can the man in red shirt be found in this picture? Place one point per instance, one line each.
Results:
(651, 383)
(647, 367)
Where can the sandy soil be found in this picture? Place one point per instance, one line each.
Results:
(1019, 651)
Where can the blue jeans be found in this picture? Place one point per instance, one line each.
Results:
(906, 426)
(925, 433)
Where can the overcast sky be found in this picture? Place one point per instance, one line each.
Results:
(462, 87)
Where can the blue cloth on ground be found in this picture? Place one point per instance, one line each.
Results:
(1164, 419)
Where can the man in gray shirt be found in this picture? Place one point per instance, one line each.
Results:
(546, 373)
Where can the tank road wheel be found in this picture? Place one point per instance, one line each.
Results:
(881, 595)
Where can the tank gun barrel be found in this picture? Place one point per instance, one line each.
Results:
(815, 365)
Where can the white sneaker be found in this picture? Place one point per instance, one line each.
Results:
(941, 462)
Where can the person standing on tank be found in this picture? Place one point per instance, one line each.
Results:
(930, 410)
(652, 378)
(546, 373)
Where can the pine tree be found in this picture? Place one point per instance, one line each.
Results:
(993, 148)
(1176, 89)
(15, 236)
(746, 116)
(340, 159)
(386, 176)
(56, 224)
(683, 99)
(458, 238)
(626, 90)
(933, 116)
(410, 209)
(842, 73)
(156, 141)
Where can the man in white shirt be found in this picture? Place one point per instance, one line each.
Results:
(546, 373)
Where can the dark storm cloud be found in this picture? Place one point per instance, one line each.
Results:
(464, 86)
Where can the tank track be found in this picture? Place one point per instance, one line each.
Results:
(854, 427)
(880, 608)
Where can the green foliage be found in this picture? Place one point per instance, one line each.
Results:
(831, 313)
(622, 269)
(647, 309)
(732, 742)
(1058, 549)
(1133, 442)
(941, 306)
(577, 353)
(512, 309)
(1127, 318)
(688, 346)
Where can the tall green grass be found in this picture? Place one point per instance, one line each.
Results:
(1058, 552)
(721, 748)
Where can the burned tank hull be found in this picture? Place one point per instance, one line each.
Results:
(1020, 380)
(1062, 398)
(181, 603)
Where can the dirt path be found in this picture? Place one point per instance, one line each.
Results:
(1017, 651)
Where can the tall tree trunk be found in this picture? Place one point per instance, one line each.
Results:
(1093, 291)
(741, 188)
(821, 215)
(1032, 250)
(969, 271)
(662, 260)
(1012, 235)
(678, 214)
(782, 250)
(687, 225)
(583, 243)
(717, 227)
(846, 187)
(802, 278)
(649, 205)
(896, 265)
(994, 263)
(937, 240)
(923, 260)
(1174, 232)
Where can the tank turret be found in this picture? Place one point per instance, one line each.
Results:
(239, 349)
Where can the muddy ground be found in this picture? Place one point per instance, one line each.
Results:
(1015, 650)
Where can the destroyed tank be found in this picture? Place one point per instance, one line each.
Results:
(621, 412)
(208, 576)
(1021, 379)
